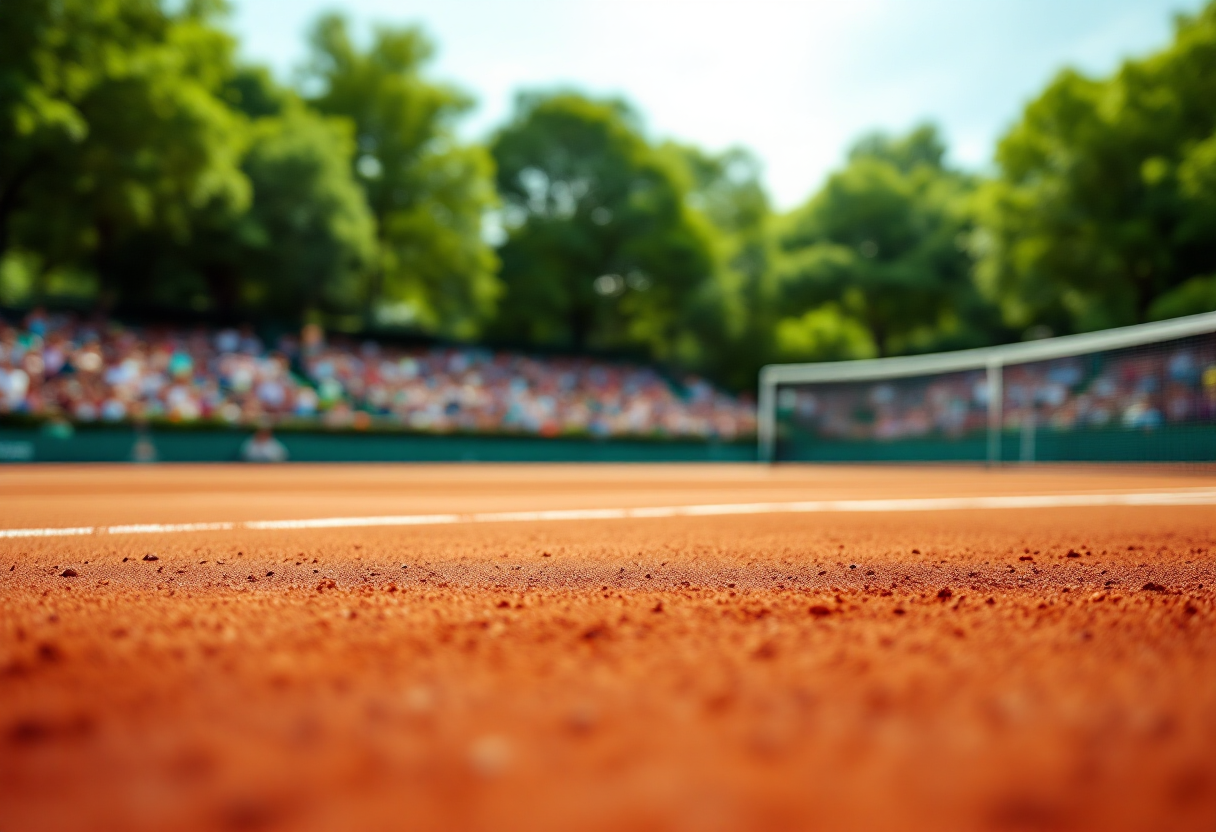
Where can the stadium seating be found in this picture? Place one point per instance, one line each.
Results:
(102, 371)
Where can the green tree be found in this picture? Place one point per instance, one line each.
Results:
(303, 245)
(306, 242)
(601, 250)
(427, 192)
(729, 328)
(111, 126)
(1104, 206)
(882, 244)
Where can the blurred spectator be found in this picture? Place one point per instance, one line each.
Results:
(56, 365)
(143, 450)
(476, 390)
(1135, 389)
(263, 447)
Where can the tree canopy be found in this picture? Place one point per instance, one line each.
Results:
(427, 191)
(882, 243)
(1103, 210)
(110, 125)
(145, 168)
(601, 248)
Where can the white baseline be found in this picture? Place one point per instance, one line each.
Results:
(1180, 497)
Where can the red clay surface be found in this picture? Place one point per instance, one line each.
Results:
(1015, 669)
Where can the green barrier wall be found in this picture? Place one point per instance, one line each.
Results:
(117, 445)
(1182, 443)
(1195, 443)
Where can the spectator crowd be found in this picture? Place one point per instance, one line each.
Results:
(101, 371)
(1144, 388)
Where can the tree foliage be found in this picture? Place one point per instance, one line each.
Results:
(144, 167)
(110, 125)
(1104, 205)
(602, 249)
(427, 191)
(308, 236)
(730, 327)
(882, 244)
(298, 247)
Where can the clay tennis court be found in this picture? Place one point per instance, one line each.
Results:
(666, 648)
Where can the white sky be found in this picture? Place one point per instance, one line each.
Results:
(794, 81)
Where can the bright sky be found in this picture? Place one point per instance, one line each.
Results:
(796, 81)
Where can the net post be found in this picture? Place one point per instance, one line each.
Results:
(766, 424)
(996, 397)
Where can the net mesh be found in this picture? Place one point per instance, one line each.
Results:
(1139, 404)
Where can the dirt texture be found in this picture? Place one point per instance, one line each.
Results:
(1012, 669)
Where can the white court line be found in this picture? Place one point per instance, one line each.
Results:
(1175, 497)
(343, 522)
(46, 532)
(163, 528)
